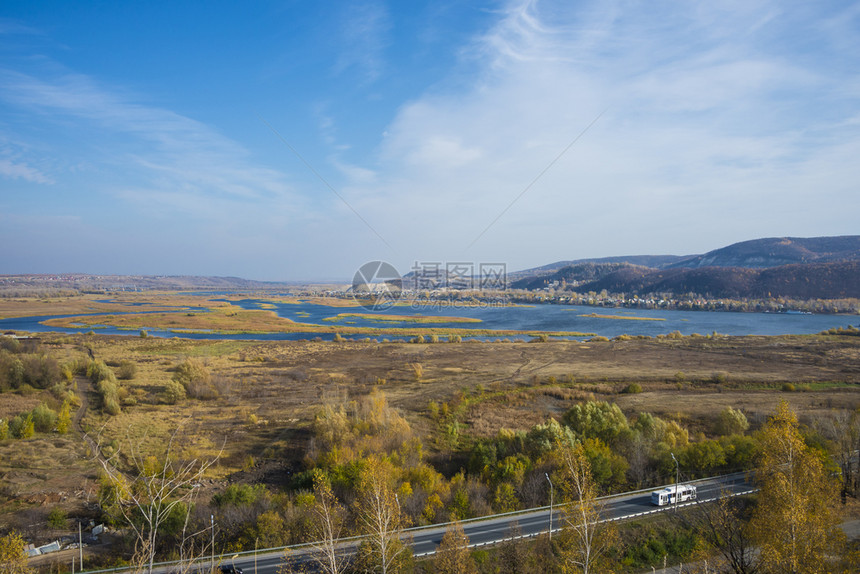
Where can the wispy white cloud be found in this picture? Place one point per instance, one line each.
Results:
(712, 129)
(724, 121)
(364, 29)
(17, 170)
(176, 155)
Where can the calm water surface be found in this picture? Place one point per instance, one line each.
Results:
(532, 318)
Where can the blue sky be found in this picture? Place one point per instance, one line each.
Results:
(164, 137)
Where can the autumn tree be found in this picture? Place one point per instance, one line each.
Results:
(12, 557)
(64, 419)
(585, 538)
(452, 555)
(512, 556)
(379, 517)
(28, 428)
(795, 523)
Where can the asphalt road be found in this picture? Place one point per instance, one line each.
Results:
(487, 531)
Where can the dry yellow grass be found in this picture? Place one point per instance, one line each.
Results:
(83, 304)
(512, 385)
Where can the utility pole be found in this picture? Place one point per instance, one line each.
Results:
(550, 504)
(677, 476)
(80, 549)
(212, 552)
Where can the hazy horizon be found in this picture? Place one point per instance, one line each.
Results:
(295, 142)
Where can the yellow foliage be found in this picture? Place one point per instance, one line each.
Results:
(12, 557)
(795, 523)
(434, 503)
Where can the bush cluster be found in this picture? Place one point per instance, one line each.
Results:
(106, 385)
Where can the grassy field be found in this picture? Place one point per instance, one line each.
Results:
(622, 317)
(508, 384)
(233, 320)
(268, 393)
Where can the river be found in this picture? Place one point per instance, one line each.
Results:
(608, 322)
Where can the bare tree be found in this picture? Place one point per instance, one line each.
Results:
(150, 491)
(328, 517)
(193, 545)
(843, 428)
(722, 525)
(585, 537)
(379, 516)
(637, 458)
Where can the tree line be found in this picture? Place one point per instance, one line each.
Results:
(367, 474)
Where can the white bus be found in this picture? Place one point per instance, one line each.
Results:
(667, 495)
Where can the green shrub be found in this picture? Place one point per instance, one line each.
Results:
(98, 371)
(15, 425)
(111, 407)
(240, 495)
(10, 344)
(11, 371)
(22, 427)
(173, 393)
(788, 388)
(731, 421)
(127, 370)
(108, 388)
(57, 518)
(597, 419)
(44, 418)
(632, 389)
(195, 377)
(41, 371)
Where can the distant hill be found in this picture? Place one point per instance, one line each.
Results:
(102, 283)
(776, 251)
(654, 261)
(811, 268)
(836, 280)
(573, 275)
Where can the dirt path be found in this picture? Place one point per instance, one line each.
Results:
(84, 389)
